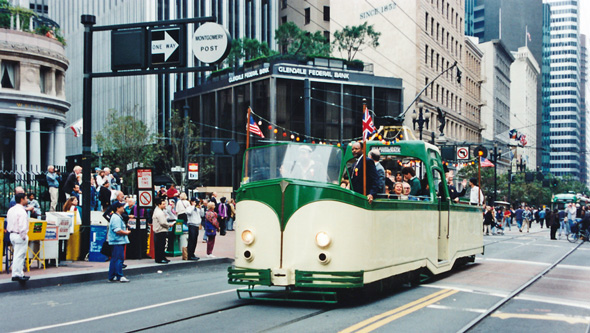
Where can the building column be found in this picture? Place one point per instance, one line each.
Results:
(60, 144)
(51, 146)
(35, 146)
(20, 144)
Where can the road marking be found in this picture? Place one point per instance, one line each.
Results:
(377, 321)
(444, 307)
(114, 314)
(517, 261)
(554, 317)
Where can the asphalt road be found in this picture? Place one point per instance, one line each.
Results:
(199, 299)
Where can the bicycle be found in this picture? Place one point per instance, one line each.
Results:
(584, 235)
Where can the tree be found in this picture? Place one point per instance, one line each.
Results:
(355, 38)
(171, 151)
(294, 41)
(125, 140)
(247, 48)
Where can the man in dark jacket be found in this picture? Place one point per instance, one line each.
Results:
(104, 196)
(356, 173)
(71, 181)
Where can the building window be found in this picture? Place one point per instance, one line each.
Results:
(327, 36)
(283, 4)
(426, 56)
(8, 71)
(326, 13)
(284, 19)
(426, 23)
(307, 15)
(43, 73)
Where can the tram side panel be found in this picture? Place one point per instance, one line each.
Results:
(380, 243)
(466, 233)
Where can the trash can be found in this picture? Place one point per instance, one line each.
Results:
(174, 249)
(98, 235)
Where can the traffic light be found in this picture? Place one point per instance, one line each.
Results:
(458, 75)
(480, 151)
(554, 182)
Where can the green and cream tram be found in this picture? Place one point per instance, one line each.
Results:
(300, 229)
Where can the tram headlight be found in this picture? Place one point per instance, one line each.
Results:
(322, 239)
(247, 237)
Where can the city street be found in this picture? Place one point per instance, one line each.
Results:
(199, 299)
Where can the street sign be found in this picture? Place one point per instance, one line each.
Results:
(462, 153)
(211, 43)
(177, 169)
(193, 171)
(167, 47)
(144, 179)
(145, 198)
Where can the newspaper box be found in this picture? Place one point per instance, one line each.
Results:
(36, 250)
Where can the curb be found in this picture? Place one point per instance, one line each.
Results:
(96, 275)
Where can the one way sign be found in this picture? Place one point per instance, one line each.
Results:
(168, 47)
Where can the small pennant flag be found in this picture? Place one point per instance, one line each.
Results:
(77, 127)
(523, 140)
(254, 128)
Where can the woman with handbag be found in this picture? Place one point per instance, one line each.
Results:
(211, 228)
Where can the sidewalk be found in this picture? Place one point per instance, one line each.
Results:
(81, 271)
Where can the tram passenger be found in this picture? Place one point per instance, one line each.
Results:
(398, 177)
(356, 173)
(410, 177)
(303, 167)
(476, 196)
(397, 191)
(406, 189)
(375, 155)
(453, 193)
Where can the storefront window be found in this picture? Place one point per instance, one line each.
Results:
(224, 113)
(387, 103)
(352, 110)
(325, 110)
(290, 106)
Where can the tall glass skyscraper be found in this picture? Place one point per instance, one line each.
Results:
(565, 113)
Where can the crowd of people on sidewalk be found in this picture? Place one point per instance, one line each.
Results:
(497, 219)
(212, 215)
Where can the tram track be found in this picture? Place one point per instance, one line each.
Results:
(516, 292)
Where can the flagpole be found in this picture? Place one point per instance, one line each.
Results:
(247, 142)
(364, 154)
(526, 36)
(479, 179)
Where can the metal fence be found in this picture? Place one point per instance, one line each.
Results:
(31, 182)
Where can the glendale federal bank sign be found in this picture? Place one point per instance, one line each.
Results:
(291, 71)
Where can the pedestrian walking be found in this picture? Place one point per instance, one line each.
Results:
(18, 227)
(117, 238)
(53, 178)
(211, 228)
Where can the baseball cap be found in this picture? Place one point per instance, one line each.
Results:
(118, 204)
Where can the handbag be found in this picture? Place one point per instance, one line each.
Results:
(106, 249)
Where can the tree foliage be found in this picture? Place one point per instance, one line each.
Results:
(532, 193)
(247, 48)
(294, 41)
(171, 151)
(125, 140)
(351, 40)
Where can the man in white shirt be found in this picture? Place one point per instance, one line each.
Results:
(18, 227)
(476, 196)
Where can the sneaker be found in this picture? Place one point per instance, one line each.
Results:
(123, 279)
(211, 256)
(113, 279)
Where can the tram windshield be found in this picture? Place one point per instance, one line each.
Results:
(319, 163)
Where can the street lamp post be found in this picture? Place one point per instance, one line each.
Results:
(420, 118)
(495, 156)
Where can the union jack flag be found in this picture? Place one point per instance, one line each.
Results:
(368, 126)
(254, 128)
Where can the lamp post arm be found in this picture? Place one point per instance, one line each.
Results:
(403, 114)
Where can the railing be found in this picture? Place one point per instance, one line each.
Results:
(31, 182)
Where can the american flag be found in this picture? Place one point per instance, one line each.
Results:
(368, 126)
(254, 128)
(486, 163)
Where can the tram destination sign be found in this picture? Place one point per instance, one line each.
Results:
(167, 47)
